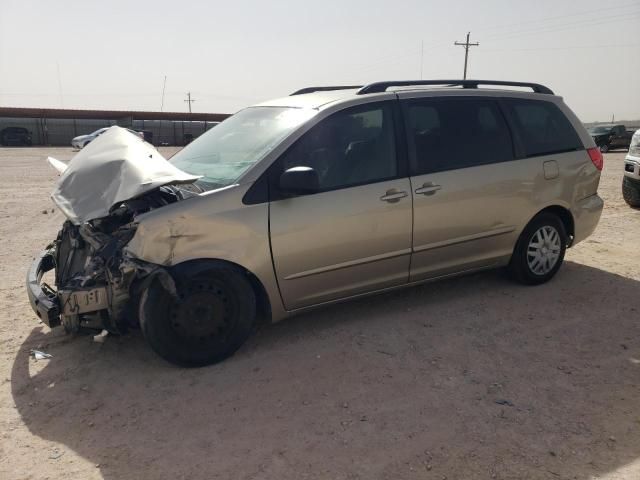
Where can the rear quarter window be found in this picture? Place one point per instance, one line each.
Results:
(541, 127)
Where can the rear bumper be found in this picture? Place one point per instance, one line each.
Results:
(44, 301)
(586, 216)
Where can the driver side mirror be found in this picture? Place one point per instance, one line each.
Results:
(299, 181)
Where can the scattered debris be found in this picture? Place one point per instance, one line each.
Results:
(44, 212)
(504, 402)
(56, 454)
(624, 347)
(494, 387)
(387, 353)
(101, 336)
(38, 355)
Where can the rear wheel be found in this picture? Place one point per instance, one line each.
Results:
(211, 316)
(631, 192)
(540, 250)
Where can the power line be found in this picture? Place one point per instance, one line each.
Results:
(189, 100)
(466, 46)
(541, 25)
(583, 23)
(573, 15)
(574, 47)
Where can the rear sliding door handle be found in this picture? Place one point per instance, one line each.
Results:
(393, 196)
(428, 189)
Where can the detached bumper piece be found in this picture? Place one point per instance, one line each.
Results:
(43, 298)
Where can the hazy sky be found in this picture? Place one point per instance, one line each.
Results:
(114, 54)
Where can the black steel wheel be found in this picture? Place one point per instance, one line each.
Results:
(208, 318)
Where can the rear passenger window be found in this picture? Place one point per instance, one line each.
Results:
(542, 127)
(451, 133)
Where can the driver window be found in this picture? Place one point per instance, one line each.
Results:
(351, 147)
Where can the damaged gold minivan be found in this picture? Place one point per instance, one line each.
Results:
(328, 194)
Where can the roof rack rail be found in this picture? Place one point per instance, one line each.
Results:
(378, 87)
(324, 89)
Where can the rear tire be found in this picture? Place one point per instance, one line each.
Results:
(539, 251)
(211, 316)
(631, 192)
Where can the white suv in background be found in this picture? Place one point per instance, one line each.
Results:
(631, 179)
(82, 141)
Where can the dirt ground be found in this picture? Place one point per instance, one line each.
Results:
(474, 377)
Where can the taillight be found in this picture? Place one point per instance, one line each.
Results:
(596, 157)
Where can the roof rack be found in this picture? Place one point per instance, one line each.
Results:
(324, 89)
(378, 87)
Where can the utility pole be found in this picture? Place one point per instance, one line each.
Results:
(189, 100)
(466, 46)
(421, 57)
(164, 85)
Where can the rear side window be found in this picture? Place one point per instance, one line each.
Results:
(542, 127)
(452, 133)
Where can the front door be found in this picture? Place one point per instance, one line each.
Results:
(354, 234)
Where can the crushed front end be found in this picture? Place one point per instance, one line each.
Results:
(95, 284)
(102, 191)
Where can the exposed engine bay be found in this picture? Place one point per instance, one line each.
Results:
(95, 281)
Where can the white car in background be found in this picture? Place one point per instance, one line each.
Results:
(631, 179)
(82, 141)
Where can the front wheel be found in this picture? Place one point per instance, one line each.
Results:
(208, 318)
(540, 250)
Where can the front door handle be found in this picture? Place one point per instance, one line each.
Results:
(393, 196)
(428, 189)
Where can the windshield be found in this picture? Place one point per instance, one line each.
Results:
(598, 130)
(226, 151)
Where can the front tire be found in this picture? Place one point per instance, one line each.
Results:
(631, 192)
(539, 251)
(209, 318)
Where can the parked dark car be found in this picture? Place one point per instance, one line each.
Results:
(15, 136)
(609, 137)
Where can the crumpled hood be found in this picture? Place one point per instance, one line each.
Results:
(115, 167)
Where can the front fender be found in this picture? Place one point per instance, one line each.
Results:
(215, 226)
